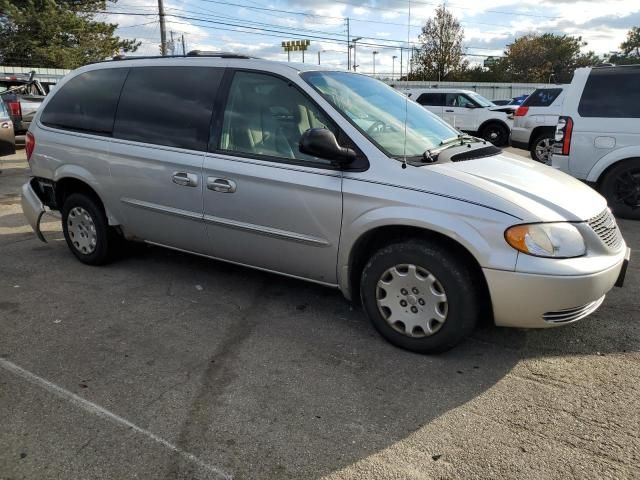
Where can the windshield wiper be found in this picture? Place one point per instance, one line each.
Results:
(431, 155)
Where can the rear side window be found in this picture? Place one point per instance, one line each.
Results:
(169, 106)
(87, 102)
(542, 97)
(431, 99)
(611, 93)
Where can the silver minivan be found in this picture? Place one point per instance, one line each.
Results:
(325, 176)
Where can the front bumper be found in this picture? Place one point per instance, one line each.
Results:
(539, 301)
(33, 208)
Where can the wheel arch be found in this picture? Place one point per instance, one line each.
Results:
(602, 166)
(67, 185)
(378, 237)
(489, 121)
(537, 131)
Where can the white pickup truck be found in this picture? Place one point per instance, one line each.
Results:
(467, 111)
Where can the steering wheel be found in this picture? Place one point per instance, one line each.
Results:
(377, 125)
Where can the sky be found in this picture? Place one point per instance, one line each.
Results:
(257, 27)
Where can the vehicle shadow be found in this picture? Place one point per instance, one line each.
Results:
(244, 369)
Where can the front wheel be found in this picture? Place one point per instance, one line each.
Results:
(621, 188)
(496, 133)
(419, 296)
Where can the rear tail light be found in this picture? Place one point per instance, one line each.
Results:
(521, 111)
(29, 145)
(564, 129)
(14, 109)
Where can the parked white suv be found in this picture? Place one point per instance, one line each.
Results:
(598, 134)
(326, 176)
(467, 111)
(535, 121)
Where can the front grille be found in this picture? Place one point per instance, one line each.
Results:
(606, 228)
(572, 314)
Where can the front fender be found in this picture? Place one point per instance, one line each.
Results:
(478, 229)
(611, 158)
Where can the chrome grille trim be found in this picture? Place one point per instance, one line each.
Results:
(605, 226)
(569, 315)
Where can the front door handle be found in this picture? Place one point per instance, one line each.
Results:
(221, 185)
(449, 111)
(185, 179)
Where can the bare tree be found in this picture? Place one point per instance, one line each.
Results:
(441, 53)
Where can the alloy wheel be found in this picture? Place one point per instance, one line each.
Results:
(627, 188)
(543, 148)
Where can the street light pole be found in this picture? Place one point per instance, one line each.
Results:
(163, 29)
(393, 66)
(374, 63)
(355, 65)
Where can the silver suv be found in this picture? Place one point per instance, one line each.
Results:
(598, 134)
(325, 176)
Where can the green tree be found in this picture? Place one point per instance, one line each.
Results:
(440, 55)
(545, 58)
(632, 44)
(630, 49)
(57, 33)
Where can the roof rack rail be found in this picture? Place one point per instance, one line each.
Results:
(205, 53)
(192, 53)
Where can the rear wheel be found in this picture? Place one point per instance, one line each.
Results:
(86, 229)
(541, 148)
(621, 188)
(496, 133)
(419, 296)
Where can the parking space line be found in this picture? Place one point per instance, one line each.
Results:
(104, 413)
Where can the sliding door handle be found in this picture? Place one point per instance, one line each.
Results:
(222, 185)
(185, 179)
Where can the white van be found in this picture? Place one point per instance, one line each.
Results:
(598, 134)
(467, 111)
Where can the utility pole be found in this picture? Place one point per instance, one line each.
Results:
(393, 66)
(401, 49)
(374, 62)
(348, 46)
(318, 57)
(355, 65)
(173, 45)
(184, 52)
(163, 29)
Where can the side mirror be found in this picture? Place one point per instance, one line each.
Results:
(322, 143)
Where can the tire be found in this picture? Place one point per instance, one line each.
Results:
(496, 133)
(442, 324)
(86, 230)
(541, 148)
(621, 187)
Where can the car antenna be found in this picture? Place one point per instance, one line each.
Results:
(406, 97)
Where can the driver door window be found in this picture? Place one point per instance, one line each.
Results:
(266, 116)
(457, 112)
(459, 100)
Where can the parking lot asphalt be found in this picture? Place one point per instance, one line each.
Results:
(170, 366)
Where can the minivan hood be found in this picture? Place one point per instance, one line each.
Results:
(547, 194)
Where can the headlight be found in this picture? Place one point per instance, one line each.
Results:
(553, 240)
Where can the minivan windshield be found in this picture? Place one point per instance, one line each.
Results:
(379, 112)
